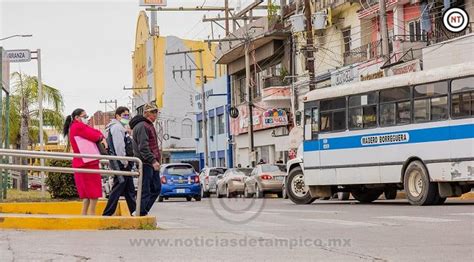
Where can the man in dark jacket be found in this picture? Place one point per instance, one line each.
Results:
(119, 141)
(145, 147)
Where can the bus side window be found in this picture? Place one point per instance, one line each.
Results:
(307, 124)
(314, 123)
(462, 104)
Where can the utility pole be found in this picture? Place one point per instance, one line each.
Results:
(384, 30)
(106, 102)
(226, 7)
(309, 44)
(249, 95)
(203, 97)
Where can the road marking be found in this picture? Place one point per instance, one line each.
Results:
(174, 225)
(462, 214)
(340, 222)
(418, 219)
(306, 211)
(263, 224)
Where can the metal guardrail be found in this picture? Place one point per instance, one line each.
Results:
(71, 170)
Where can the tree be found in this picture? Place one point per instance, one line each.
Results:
(24, 114)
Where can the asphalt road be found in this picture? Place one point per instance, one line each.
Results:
(266, 230)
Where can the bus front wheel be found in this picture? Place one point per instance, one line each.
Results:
(296, 189)
(419, 189)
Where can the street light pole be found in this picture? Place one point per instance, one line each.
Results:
(8, 37)
(40, 113)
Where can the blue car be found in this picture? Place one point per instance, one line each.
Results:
(179, 180)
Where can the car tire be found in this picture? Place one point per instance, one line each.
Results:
(217, 193)
(228, 194)
(203, 194)
(419, 189)
(160, 199)
(365, 195)
(197, 198)
(296, 190)
(258, 193)
(343, 195)
(247, 193)
(390, 194)
(189, 199)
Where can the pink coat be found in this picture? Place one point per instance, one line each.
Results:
(88, 185)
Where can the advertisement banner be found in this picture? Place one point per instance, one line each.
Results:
(264, 117)
(150, 71)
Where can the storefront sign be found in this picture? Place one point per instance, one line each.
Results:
(153, 3)
(344, 76)
(376, 75)
(275, 117)
(408, 67)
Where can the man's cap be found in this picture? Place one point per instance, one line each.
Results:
(150, 107)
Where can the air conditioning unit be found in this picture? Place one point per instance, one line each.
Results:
(298, 23)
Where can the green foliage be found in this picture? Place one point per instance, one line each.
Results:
(272, 13)
(61, 185)
(25, 89)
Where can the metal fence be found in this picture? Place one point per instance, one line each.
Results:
(71, 170)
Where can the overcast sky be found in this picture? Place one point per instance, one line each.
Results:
(87, 45)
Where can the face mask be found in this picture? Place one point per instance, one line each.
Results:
(84, 120)
(124, 121)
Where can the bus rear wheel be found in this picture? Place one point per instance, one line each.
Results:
(365, 195)
(419, 189)
(296, 189)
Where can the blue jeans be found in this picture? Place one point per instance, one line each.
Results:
(151, 189)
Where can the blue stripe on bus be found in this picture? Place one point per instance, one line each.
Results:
(414, 136)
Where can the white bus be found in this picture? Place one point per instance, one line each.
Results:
(413, 131)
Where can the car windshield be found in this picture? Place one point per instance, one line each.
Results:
(270, 168)
(179, 170)
(217, 171)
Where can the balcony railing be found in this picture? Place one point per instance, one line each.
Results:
(440, 33)
(274, 81)
(363, 53)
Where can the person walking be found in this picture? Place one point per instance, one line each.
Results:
(120, 144)
(145, 147)
(89, 186)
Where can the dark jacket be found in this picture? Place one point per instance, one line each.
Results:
(145, 140)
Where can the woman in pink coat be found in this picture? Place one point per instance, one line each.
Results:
(89, 186)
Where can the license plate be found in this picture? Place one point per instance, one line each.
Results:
(180, 191)
(279, 178)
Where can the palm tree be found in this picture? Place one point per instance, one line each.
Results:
(24, 114)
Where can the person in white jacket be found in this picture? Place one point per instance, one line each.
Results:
(120, 144)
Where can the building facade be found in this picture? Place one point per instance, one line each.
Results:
(171, 83)
(218, 131)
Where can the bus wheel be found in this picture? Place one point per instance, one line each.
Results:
(419, 190)
(365, 195)
(296, 189)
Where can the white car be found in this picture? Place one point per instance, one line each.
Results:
(208, 178)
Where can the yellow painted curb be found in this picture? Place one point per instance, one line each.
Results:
(59, 208)
(68, 222)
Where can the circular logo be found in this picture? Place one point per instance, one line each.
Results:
(237, 210)
(455, 19)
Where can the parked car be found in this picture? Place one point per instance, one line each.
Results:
(179, 180)
(208, 177)
(231, 183)
(265, 178)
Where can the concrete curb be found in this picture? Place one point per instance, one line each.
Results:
(58, 208)
(65, 216)
(69, 222)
